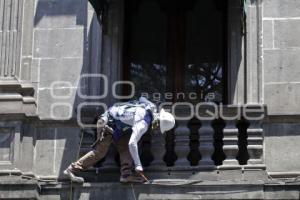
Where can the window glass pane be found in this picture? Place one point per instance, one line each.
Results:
(205, 51)
(148, 50)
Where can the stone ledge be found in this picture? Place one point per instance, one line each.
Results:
(13, 187)
(174, 189)
(17, 98)
(111, 175)
(25, 89)
(165, 189)
(16, 104)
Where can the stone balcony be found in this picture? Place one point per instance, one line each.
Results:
(220, 158)
(224, 146)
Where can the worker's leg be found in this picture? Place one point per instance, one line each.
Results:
(88, 160)
(126, 161)
(125, 157)
(93, 156)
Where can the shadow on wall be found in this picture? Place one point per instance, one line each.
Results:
(60, 7)
(236, 83)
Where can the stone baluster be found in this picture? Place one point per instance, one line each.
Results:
(182, 139)
(158, 150)
(230, 143)
(230, 115)
(254, 115)
(206, 147)
(170, 156)
(255, 142)
(207, 115)
(243, 155)
(218, 155)
(194, 155)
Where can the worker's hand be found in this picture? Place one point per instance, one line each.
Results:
(108, 129)
(100, 125)
(141, 173)
(139, 169)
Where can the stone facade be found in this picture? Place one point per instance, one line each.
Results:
(280, 47)
(47, 47)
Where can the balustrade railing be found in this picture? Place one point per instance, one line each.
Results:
(230, 142)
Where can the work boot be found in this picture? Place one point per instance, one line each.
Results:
(72, 176)
(131, 179)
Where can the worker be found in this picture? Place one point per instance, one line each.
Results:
(123, 124)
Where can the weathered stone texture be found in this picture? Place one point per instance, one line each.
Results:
(282, 147)
(281, 8)
(281, 30)
(268, 34)
(281, 65)
(66, 70)
(282, 98)
(50, 107)
(287, 33)
(35, 71)
(55, 149)
(27, 155)
(58, 43)
(59, 53)
(44, 151)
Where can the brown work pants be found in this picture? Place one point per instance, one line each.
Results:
(100, 151)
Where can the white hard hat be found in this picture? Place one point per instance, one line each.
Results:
(166, 121)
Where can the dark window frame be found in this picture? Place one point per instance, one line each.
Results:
(176, 75)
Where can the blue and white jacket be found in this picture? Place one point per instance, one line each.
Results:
(134, 115)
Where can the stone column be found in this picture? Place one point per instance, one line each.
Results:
(254, 52)
(245, 53)
(10, 37)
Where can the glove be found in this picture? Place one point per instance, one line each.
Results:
(139, 169)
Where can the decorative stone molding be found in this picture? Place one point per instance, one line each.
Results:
(16, 90)
(17, 98)
(10, 37)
